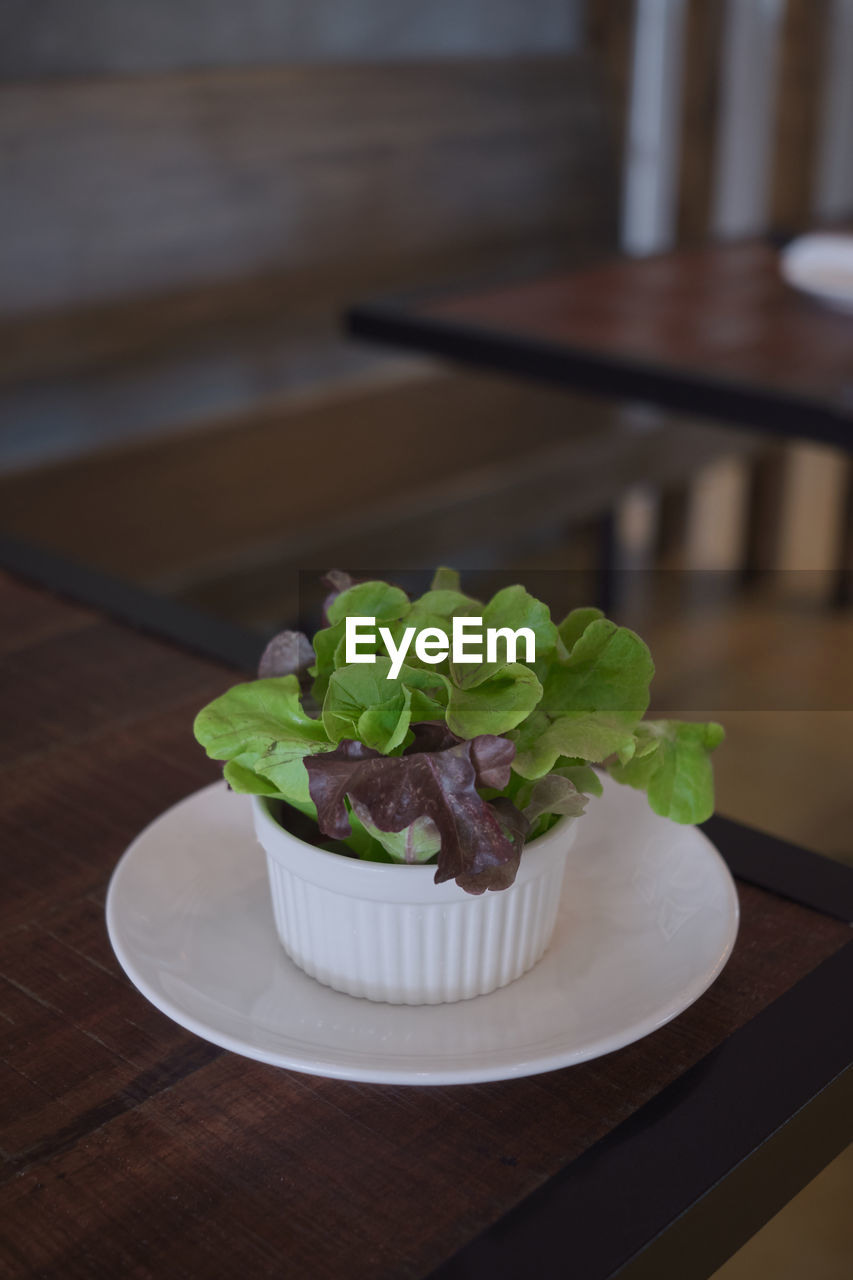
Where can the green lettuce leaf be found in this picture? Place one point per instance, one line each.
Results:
(587, 735)
(445, 579)
(582, 776)
(360, 703)
(609, 668)
(511, 608)
(434, 609)
(575, 624)
(262, 727)
(326, 643)
(362, 842)
(418, 842)
(592, 699)
(496, 705)
(441, 604)
(377, 600)
(551, 794)
(245, 781)
(364, 704)
(672, 765)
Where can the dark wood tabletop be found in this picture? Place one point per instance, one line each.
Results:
(133, 1148)
(711, 331)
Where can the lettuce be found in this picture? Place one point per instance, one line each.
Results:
(672, 765)
(479, 841)
(451, 762)
(497, 704)
(513, 608)
(262, 730)
(364, 704)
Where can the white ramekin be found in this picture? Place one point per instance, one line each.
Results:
(386, 931)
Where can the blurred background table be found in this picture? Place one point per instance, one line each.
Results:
(712, 331)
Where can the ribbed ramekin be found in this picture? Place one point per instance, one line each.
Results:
(387, 932)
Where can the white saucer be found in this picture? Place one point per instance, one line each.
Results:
(821, 264)
(648, 918)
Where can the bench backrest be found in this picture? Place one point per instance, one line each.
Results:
(145, 205)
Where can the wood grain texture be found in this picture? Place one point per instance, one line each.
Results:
(41, 38)
(153, 184)
(797, 102)
(131, 1147)
(700, 107)
(609, 32)
(720, 312)
(797, 116)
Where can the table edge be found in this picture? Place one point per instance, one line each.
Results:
(675, 1167)
(727, 402)
(155, 615)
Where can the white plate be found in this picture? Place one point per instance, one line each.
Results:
(821, 264)
(648, 918)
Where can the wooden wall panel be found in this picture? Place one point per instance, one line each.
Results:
(811, 516)
(797, 119)
(152, 184)
(701, 102)
(833, 178)
(609, 33)
(800, 71)
(40, 38)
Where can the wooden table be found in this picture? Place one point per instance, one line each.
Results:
(711, 332)
(132, 1148)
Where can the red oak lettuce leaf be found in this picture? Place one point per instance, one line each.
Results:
(431, 735)
(501, 876)
(289, 653)
(335, 581)
(481, 840)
